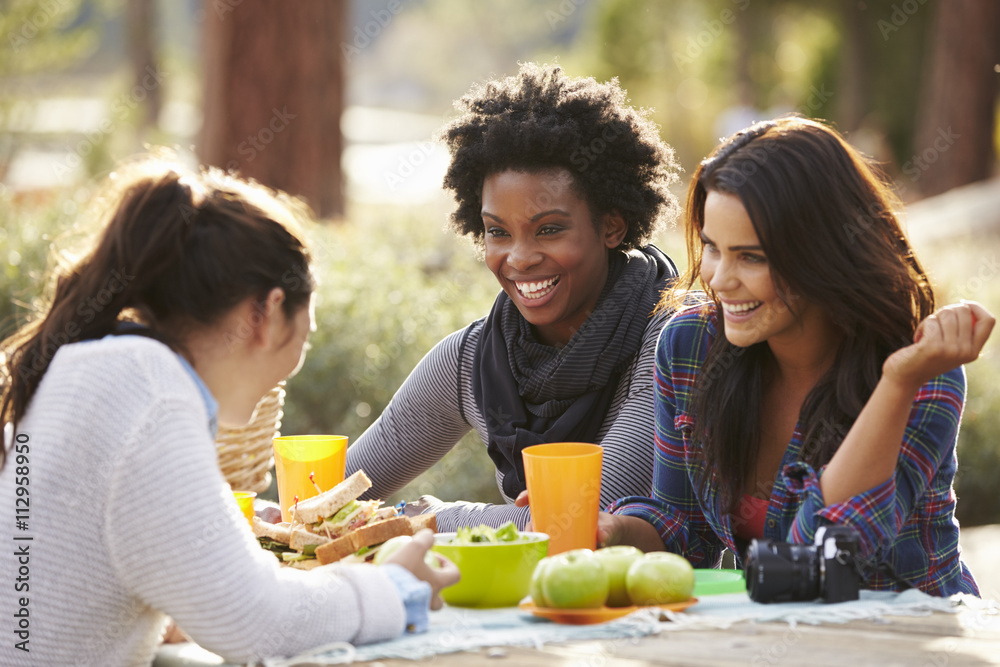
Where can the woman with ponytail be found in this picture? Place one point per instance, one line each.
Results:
(812, 383)
(194, 302)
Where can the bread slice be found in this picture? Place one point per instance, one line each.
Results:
(301, 538)
(386, 512)
(421, 521)
(366, 536)
(329, 502)
(279, 532)
(307, 564)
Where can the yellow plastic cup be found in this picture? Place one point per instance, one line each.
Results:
(564, 488)
(245, 500)
(296, 456)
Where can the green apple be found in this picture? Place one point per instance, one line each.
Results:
(616, 561)
(390, 547)
(660, 578)
(575, 580)
(393, 544)
(537, 596)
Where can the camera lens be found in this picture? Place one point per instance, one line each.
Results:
(780, 572)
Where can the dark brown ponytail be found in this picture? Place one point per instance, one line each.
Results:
(177, 251)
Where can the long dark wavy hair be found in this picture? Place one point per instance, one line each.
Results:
(177, 251)
(824, 215)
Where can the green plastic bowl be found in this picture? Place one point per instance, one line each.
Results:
(493, 574)
(717, 582)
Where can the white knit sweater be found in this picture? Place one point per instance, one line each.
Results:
(132, 520)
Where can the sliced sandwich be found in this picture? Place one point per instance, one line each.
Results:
(287, 543)
(335, 524)
(338, 511)
(362, 544)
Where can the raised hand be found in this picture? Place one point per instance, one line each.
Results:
(952, 336)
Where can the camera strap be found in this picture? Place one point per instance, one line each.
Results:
(867, 571)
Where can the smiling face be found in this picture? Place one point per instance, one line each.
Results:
(545, 250)
(734, 265)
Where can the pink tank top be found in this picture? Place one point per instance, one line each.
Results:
(748, 521)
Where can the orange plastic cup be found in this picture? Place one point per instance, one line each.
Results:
(564, 488)
(296, 456)
(245, 500)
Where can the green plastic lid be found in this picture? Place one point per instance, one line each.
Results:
(716, 582)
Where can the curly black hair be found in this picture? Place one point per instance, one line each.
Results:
(542, 119)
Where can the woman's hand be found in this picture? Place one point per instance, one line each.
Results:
(952, 336)
(869, 454)
(411, 557)
(609, 530)
(421, 505)
(269, 513)
(522, 501)
(615, 529)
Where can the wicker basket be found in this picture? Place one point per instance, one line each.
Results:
(246, 453)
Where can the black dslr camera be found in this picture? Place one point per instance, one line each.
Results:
(782, 572)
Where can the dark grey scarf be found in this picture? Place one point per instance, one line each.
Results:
(530, 393)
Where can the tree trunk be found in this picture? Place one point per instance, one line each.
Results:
(274, 86)
(855, 63)
(142, 53)
(954, 142)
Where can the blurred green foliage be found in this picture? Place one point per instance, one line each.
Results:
(979, 444)
(968, 269)
(26, 234)
(695, 61)
(392, 284)
(41, 35)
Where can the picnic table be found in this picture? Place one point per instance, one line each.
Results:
(970, 636)
(937, 639)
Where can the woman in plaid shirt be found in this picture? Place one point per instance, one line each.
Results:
(813, 383)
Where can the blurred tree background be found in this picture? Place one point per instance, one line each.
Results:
(337, 101)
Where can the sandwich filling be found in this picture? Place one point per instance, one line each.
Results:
(350, 517)
(334, 524)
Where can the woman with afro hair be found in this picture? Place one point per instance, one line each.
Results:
(561, 184)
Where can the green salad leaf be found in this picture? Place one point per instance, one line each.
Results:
(340, 515)
(507, 533)
(483, 533)
(271, 545)
(308, 551)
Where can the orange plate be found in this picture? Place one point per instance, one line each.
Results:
(599, 615)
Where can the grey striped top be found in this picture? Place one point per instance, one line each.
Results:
(434, 408)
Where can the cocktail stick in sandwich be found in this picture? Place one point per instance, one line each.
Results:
(335, 512)
(334, 524)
